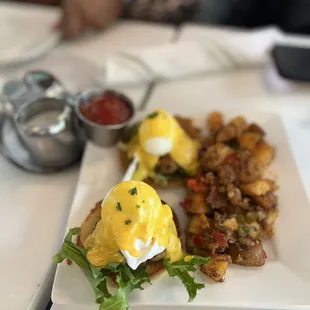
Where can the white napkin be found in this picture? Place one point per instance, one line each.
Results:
(182, 59)
(247, 47)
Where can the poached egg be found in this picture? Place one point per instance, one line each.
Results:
(135, 226)
(160, 134)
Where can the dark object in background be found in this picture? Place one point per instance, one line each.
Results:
(44, 2)
(292, 62)
(290, 15)
(164, 11)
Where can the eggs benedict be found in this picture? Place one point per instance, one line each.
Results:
(166, 147)
(135, 226)
(135, 237)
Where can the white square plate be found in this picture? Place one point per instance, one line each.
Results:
(283, 283)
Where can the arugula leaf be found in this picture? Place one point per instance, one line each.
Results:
(181, 270)
(127, 279)
(120, 300)
(136, 277)
(97, 278)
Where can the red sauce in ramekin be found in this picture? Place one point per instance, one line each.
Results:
(109, 109)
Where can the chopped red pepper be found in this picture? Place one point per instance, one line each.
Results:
(265, 255)
(220, 238)
(196, 186)
(193, 184)
(198, 240)
(186, 204)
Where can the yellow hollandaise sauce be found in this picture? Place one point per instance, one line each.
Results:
(135, 222)
(160, 134)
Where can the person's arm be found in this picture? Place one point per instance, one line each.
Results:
(79, 15)
(82, 14)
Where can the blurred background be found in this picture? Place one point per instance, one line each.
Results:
(289, 15)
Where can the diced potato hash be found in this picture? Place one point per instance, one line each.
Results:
(231, 207)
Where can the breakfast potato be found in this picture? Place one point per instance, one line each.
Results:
(215, 156)
(267, 201)
(231, 224)
(215, 122)
(273, 186)
(257, 129)
(240, 123)
(272, 216)
(255, 230)
(249, 140)
(216, 269)
(197, 205)
(251, 169)
(268, 223)
(207, 141)
(257, 188)
(197, 224)
(227, 133)
(264, 153)
(233, 130)
(251, 256)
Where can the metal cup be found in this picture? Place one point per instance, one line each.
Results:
(53, 143)
(101, 135)
(34, 85)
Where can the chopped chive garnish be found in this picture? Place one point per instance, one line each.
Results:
(152, 115)
(133, 191)
(127, 222)
(138, 206)
(118, 207)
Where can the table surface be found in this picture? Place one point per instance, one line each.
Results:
(34, 209)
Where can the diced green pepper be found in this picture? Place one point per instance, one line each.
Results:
(251, 217)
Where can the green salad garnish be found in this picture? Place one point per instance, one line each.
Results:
(126, 278)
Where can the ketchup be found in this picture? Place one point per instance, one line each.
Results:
(108, 109)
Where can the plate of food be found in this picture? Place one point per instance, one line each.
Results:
(215, 216)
